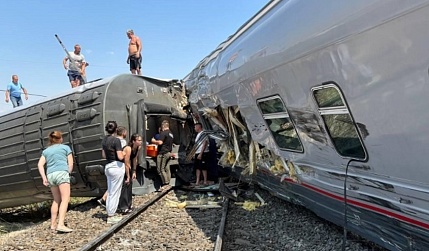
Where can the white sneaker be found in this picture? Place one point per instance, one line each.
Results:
(113, 219)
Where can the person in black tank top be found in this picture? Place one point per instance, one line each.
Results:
(114, 170)
(131, 152)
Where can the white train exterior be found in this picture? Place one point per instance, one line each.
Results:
(337, 91)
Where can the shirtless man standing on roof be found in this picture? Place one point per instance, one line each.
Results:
(134, 53)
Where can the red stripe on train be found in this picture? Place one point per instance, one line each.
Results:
(363, 205)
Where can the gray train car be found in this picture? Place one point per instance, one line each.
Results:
(136, 102)
(329, 99)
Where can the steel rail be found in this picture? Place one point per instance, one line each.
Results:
(102, 238)
(219, 238)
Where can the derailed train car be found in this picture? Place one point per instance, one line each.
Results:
(326, 106)
(136, 102)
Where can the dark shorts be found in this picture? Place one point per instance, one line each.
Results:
(135, 63)
(201, 164)
(73, 75)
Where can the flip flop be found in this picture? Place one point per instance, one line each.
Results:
(127, 211)
(64, 229)
(160, 190)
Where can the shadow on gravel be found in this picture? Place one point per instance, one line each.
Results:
(19, 218)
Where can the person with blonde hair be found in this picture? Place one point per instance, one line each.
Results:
(58, 159)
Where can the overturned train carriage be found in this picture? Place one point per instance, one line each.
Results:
(138, 103)
(325, 103)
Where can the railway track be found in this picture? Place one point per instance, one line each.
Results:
(109, 234)
(103, 237)
(158, 223)
(139, 230)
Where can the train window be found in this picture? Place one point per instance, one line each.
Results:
(272, 106)
(280, 125)
(328, 97)
(340, 125)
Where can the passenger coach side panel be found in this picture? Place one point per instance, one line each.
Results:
(15, 174)
(55, 117)
(77, 117)
(87, 130)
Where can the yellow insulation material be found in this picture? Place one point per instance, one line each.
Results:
(249, 205)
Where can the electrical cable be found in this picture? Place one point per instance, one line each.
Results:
(29, 94)
(345, 207)
(345, 203)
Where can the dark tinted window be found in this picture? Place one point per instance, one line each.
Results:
(328, 97)
(341, 127)
(274, 105)
(278, 121)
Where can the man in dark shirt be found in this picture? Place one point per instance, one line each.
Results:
(165, 145)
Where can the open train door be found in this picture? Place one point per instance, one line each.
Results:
(144, 182)
(145, 119)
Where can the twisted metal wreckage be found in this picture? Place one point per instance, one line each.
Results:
(236, 144)
(323, 103)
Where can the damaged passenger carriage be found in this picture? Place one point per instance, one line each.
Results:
(325, 104)
(138, 103)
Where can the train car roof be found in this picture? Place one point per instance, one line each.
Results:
(90, 85)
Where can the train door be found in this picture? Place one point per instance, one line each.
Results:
(137, 123)
(145, 119)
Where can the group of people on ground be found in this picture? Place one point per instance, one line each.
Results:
(75, 64)
(121, 166)
(56, 165)
(120, 170)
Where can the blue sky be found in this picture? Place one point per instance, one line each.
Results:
(176, 35)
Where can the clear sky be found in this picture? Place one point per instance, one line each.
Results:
(176, 35)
